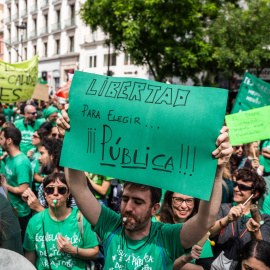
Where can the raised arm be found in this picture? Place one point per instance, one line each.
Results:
(76, 180)
(196, 227)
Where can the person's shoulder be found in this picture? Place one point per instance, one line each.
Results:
(19, 122)
(22, 159)
(38, 217)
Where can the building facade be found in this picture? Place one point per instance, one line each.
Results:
(53, 30)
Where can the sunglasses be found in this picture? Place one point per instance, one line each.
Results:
(61, 190)
(33, 113)
(35, 136)
(179, 201)
(238, 146)
(242, 187)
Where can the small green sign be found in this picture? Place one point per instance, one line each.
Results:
(144, 131)
(249, 126)
(253, 93)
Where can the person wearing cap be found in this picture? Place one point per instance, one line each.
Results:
(27, 126)
(51, 115)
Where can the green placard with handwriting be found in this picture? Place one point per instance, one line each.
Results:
(145, 131)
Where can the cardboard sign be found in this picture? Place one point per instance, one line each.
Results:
(18, 81)
(249, 126)
(253, 93)
(144, 131)
(41, 92)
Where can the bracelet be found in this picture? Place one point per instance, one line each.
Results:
(75, 253)
(221, 225)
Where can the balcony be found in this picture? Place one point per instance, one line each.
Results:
(56, 1)
(33, 34)
(23, 12)
(25, 37)
(15, 40)
(15, 17)
(56, 27)
(7, 1)
(7, 20)
(70, 22)
(7, 41)
(33, 8)
(45, 3)
(44, 30)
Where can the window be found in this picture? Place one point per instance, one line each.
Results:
(128, 59)
(46, 20)
(45, 49)
(57, 46)
(72, 11)
(112, 59)
(71, 44)
(58, 15)
(93, 61)
(25, 4)
(25, 53)
(17, 55)
(35, 50)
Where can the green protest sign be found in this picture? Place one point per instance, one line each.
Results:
(145, 131)
(249, 126)
(253, 93)
(18, 80)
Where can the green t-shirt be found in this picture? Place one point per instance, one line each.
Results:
(8, 113)
(266, 205)
(27, 133)
(266, 144)
(18, 171)
(126, 253)
(98, 179)
(34, 240)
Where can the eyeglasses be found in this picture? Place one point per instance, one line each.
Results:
(50, 190)
(35, 136)
(33, 113)
(179, 201)
(242, 187)
(238, 146)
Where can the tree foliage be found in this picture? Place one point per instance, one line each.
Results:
(165, 35)
(240, 37)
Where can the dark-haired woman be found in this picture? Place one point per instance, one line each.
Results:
(254, 256)
(178, 208)
(53, 239)
(235, 226)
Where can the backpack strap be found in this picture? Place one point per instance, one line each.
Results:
(162, 254)
(109, 240)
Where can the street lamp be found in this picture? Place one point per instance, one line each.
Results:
(22, 27)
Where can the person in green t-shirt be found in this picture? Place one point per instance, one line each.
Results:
(51, 115)
(102, 186)
(178, 208)
(266, 155)
(69, 239)
(27, 127)
(131, 239)
(18, 173)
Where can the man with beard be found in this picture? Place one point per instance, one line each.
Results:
(49, 159)
(27, 127)
(131, 240)
(236, 159)
(17, 172)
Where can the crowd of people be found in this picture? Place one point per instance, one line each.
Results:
(60, 218)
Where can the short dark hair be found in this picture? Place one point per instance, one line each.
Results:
(155, 192)
(2, 119)
(258, 182)
(54, 148)
(48, 126)
(52, 178)
(258, 249)
(12, 133)
(43, 133)
(166, 212)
